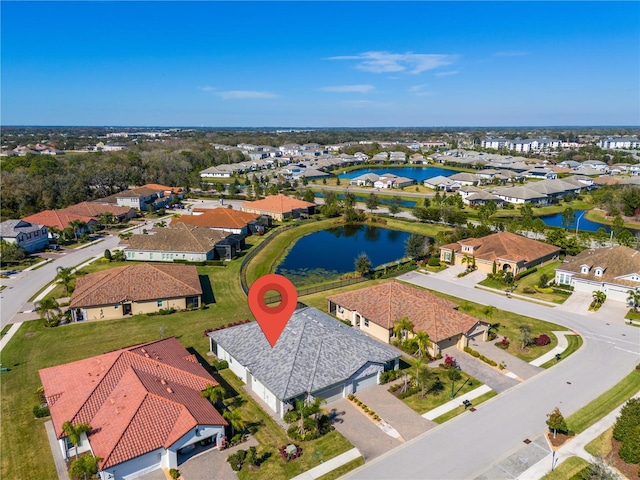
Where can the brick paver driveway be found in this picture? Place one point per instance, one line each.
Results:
(394, 411)
(363, 434)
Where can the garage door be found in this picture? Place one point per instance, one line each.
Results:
(142, 465)
(365, 382)
(331, 394)
(448, 342)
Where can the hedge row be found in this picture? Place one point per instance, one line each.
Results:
(525, 273)
(476, 354)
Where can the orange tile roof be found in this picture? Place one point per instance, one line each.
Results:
(57, 218)
(217, 218)
(157, 186)
(277, 204)
(95, 209)
(136, 400)
(136, 282)
(385, 303)
(505, 246)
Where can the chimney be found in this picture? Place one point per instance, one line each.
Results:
(162, 381)
(169, 390)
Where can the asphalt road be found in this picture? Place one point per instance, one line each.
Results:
(22, 286)
(469, 445)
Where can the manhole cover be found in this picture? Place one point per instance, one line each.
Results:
(527, 441)
(524, 459)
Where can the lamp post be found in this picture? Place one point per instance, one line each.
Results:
(578, 222)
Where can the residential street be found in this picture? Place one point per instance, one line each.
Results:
(471, 444)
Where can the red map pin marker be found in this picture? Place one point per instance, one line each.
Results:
(272, 320)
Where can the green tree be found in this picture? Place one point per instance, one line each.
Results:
(363, 264)
(84, 467)
(11, 252)
(235, 420)
(538, 226)
(215, 394)
(525, 335)
(74, 432)
(599, 297)
(77, 226)
(65, 277)
(424, 342)
(556, 422)
(415, 246)
(597, 470)
(107, 254)
(49, 310)
(618, 225)
(568, 217)
(372, 202)
(308, 196)
(633, 298)
(402, 327)
(489, 311)
(395, 206)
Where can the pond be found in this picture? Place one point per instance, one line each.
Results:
(586, 225)
(327, 254)
(416, 173)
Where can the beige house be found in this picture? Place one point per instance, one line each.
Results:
(280, 207)
(374, 310)
(510, 252)
(134, 290)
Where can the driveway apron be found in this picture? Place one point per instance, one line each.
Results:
(363, 434)
(394, 411)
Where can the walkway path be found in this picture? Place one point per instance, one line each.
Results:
(61, 465)
(456, 402)
(563, 343)
(329, 465)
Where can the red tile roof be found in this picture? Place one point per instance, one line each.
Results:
(217, 218)
(167, 190)
(137, 282)
(95, 209)
(385, 303)
(136, 400)
(59, 219)
(505, 246)
(277, 204)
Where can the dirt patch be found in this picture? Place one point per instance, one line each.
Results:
(629, 470)
(30, 334)
(561, 439)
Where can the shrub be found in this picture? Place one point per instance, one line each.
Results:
(236, 460)
(529, 290)
(409, 392)
(351, 396)
(449, 361)
(389, 375)
(525, 273)
(220, 364)
(542, 340)
(628, 420)
(434, 262)
(40, 411)
(174, 473)
(291, 416)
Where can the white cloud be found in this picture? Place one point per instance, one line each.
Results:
(447, 74)
(384, 62)
(245, 94)
(349, 88)
(419, 90)
(207, 88)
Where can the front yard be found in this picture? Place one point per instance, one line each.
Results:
(528, 286)
(271, 436)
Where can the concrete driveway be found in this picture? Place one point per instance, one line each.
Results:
(363, 434)
(395, 412)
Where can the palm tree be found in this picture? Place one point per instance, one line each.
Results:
(48, 309)
(599, 297)
(634, 299)
(235, 420)
(65, 277)
(422, 338)
(402, 327)
(488, 311)
(106, 218)
(74, 432)
(77, 225)
(470, 261)
(214, 394)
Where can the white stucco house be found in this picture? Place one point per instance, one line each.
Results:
(27, 235)
(315, 356)
(612, 270)
(143, 404)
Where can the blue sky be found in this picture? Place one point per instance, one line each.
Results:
(320, 64)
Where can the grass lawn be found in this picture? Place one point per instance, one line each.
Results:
(570, 469)
(632, 316)
(531, 281)
(443, 394)
(458, 410)
(601, 406)
(574, 344)
(598, 216)
(24, 450)
(509, 327)
(271, 437)
(342, 470)
(601, 445)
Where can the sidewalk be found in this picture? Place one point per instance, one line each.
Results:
(9, 335)
(456, 402)
(563, 343)
(329, 465)
(574, 447)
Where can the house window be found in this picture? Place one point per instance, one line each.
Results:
(447, 256)
(585, 269)
(598, 272)
(159, 303)
(366, 323)
(116, 307)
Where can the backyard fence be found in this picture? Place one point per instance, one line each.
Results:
(318, 288)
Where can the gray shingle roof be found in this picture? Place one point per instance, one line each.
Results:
(12, 228)
(314, 352)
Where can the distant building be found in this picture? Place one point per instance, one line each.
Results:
(619, 142)
(27, 235)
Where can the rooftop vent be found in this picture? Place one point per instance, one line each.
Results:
(169, 390)
(163, 382)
